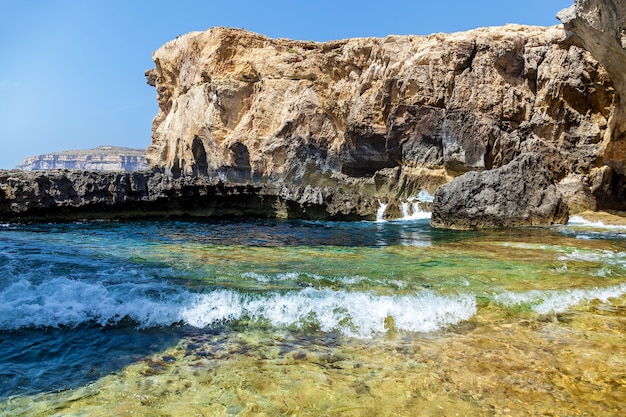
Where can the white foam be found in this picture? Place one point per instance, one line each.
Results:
(425, 196)
(411, 208)
(353, 314)
(544, 302)
(381, 211)
(65, 302)
(604, 256)
(298, 276)
(582, 222)
(265, 278)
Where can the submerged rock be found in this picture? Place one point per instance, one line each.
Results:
(522, 193)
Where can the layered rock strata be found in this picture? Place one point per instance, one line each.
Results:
(102, 158)
(385, 117)
(70, 195)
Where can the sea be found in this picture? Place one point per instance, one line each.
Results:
(233, 317)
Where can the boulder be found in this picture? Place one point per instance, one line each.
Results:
(521, 193)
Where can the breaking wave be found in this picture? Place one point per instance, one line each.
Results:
(544, 302)
(63, 302)
(582, 222)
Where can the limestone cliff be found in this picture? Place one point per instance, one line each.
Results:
(600, 27)
(102, 158)
(384, 116)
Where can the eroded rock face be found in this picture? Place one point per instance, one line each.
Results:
(383, 116)
(69, 195)
(600, 27)
(522, 193)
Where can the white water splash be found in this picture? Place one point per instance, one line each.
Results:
(64, 302)
(603, 256)
(412, 207)
(411, 210)
(380, 213)
(544, 302)
(353, 314)
(425, 196)
(582, 222)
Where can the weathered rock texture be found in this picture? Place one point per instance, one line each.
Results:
(522, 193)
(600, 27)
(70, 195)
(102, 158)
(386, 117)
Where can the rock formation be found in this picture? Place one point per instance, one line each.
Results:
(600, 27)
(71, 195)
(521, 193)
(102, 158)
(275, 127)
(386, 117)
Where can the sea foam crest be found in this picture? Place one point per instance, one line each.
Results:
(544, 302)
(581, 221)
(353, 314)
(66, 302)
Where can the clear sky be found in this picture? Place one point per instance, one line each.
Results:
(72, 71)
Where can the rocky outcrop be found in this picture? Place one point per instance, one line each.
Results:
(522, 193)
(71, 195)
(102, 158)
(249, 125)
(385, 117)
(600, 27)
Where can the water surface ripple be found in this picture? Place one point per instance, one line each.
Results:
(103, 304)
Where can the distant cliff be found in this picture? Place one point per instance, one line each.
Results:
(102, 158)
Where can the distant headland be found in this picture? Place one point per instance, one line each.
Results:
(102, 158)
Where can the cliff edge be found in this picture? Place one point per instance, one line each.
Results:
(387, 117)
(599, 26)
(102, 158)
(249, 125)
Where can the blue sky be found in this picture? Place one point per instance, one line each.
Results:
(71, 71)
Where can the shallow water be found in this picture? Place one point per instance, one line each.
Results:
(311, 318)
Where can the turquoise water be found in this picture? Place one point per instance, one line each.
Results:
(85, 304)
